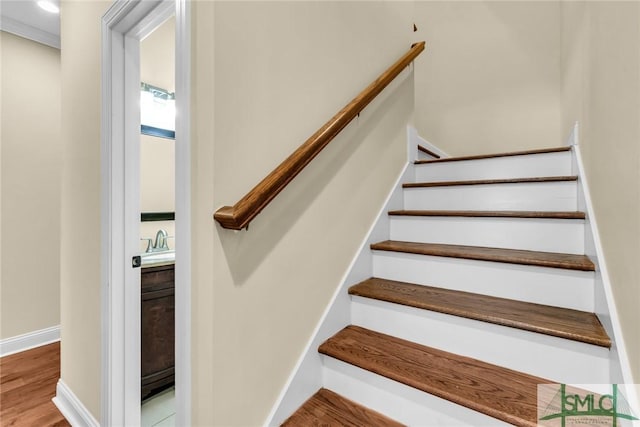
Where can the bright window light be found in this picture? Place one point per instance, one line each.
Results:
(157, 108)
(48, 6)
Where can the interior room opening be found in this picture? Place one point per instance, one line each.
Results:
(157, 226)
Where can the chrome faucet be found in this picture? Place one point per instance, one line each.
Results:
(161, 241)
(161, 244)
(149, 244)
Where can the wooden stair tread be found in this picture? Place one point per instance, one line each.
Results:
(491, 156)
(490, 181)
(556, 321)
(492, 214)
(425, 150)
(511, 256)
(327, 408)
(501, 393)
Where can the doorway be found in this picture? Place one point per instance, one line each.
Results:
(157, 226)
(125, 26)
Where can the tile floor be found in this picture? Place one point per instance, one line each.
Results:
(160, 410)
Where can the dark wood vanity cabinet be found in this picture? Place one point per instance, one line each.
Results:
(158, 328)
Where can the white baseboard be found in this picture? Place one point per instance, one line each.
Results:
(30, 340)
(72, 408)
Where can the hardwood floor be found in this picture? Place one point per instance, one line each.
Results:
(27, 385)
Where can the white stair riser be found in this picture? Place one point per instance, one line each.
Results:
(548, 235)
(537, 354)
(548, 164)
(539, 196)
(400, 402)
(549, 286)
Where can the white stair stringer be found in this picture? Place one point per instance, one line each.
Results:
(536, 196)
(414, 140)
(424, 156)
(605, 306)
(541, 285)
(523, 166)
(534, 234)
(534, 353)
(398, 401)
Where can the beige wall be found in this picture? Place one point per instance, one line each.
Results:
(80, 243)
(601, 90)
(30, 169)
(157, 56)
(267, 75)
(157, 185)
(157, 174)
(490, 79)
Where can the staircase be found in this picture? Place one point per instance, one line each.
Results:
(481, 293)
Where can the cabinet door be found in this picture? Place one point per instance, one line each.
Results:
(158, 328)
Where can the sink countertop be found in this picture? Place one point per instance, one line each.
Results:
(157, 259)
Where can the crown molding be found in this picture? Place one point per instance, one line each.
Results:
(21, 29)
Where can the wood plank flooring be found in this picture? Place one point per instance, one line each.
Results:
(510, 256)
(501, 393)
(27, 385)
(327, 408)
(556, 321)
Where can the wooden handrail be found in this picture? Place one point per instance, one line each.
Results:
(238, 216)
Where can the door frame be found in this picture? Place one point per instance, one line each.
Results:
(124, 24)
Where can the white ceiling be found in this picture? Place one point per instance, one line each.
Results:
(25, 18)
